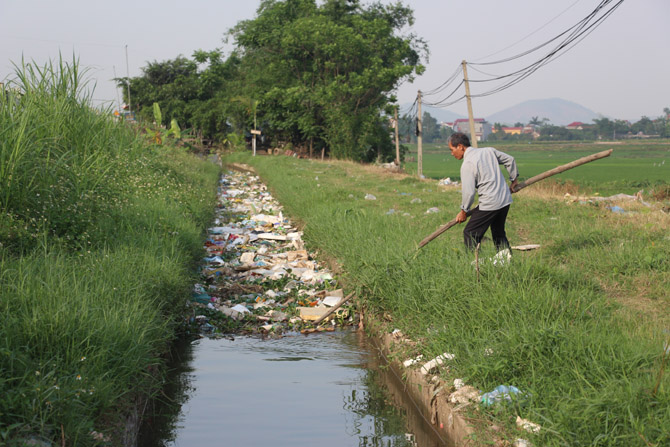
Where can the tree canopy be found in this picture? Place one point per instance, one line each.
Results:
(320, 74)
(325, 73)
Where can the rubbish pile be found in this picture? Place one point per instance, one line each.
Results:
(258, 277)
(461, 394)
(447, 182)
(583, 200)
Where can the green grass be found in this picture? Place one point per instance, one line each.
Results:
(631, 167)
(100, 234)
(568, 324)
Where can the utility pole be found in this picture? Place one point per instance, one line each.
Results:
(419, 138)
(397, 142)
(116, 89)
(473, 134)
(130, 109)
(253, 144)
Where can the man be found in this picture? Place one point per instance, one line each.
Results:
(481, 174)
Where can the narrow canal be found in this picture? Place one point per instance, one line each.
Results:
(329, 389)
(275, 386)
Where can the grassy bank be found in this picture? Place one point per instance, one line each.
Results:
(578, 325)
(99, 236)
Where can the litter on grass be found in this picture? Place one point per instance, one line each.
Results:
(437, 361)
(447, 182)
(526, 247)
(527, 425)
(501, 393)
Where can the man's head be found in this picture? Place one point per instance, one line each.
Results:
(458, 143)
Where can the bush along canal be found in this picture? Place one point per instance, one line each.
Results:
(276, 358)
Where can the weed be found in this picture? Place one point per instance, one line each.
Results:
(544, 323)
(99, 237)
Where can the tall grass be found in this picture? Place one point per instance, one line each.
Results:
(99, 236)
(547, 324)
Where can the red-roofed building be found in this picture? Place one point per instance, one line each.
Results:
(577, 125)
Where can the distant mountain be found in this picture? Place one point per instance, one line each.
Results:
(441, 115)
(559, 112)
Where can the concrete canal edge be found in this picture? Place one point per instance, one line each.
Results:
(428, 395)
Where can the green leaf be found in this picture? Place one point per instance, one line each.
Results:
(157, 114)
(174, 129)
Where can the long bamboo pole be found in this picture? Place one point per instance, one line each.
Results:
(520, 186)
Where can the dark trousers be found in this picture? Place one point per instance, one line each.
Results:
(480, 221)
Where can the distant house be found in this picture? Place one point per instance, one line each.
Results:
(512, 130)
(482, 127)
(577, 125)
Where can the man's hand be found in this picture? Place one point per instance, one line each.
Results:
(513, 185)
(461, 216)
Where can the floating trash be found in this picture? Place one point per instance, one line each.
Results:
(258, 277)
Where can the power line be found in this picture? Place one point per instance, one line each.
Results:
(575, 34)
(528, 35)
(575, 37)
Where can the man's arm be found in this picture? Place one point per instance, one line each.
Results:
(468, 191)
(509, 163)
(468, 186)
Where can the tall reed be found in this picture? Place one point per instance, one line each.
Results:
(99, 236)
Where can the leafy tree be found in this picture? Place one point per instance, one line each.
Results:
(407, 129)
(645, 126)
(430, 127)
(604, 127)
(190, 91)
(324, 72)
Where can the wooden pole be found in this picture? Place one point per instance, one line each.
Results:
(524, 184)
(563, 168)
(130, 108)
(333, 309)
(419, 139)
(397, 141)
(471, 117)
(254, 136)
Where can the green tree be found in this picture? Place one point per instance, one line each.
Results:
(325, 72)
(191, 91)
(431, 129)
(604, 127)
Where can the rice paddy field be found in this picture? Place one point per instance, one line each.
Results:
(581, 325)
(633, 165)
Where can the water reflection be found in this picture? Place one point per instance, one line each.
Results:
(324, 389)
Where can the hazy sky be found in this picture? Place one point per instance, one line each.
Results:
(621, 70)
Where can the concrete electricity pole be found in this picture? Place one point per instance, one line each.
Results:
(473, 134)
(419, 139)
(130, 108)
(397, 142)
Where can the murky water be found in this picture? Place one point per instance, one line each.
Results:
(325, 389)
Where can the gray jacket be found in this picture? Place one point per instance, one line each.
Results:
(481, 174)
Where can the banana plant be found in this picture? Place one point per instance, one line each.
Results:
(158, 134)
